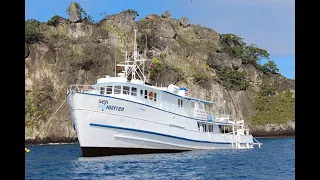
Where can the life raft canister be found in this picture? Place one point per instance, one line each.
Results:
(150, 95)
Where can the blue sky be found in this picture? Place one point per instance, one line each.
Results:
(268, 23)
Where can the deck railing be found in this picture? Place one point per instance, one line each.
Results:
(80, 88)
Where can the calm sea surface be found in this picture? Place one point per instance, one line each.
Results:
(274, 160)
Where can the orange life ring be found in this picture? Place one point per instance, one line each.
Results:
(150, 95)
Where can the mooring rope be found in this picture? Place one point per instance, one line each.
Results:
(51, 118)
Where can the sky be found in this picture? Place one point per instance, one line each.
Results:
(270, 24)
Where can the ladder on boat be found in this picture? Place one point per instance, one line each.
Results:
(256, 142)
(235, 141)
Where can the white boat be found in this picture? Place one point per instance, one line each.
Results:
(117, 116)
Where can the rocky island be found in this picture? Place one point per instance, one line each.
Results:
(213, 66)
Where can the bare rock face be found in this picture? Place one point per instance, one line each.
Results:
(124, 19)
(184, 22)
(166, 14)
(152, 16)
(164, 29)
(216, 60)
(74, 15)
(77, 30)
(26, 50)
(283, 129)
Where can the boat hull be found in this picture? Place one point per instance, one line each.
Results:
(124, 127)
(110, 151)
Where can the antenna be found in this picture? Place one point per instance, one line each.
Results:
(115, 64)
(133, 63)
(135, 45)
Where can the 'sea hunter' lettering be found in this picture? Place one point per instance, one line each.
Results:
(103, 104)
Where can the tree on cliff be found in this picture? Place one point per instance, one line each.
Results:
(252, 54)
(32, 31)
(271, 66)
(235, 46)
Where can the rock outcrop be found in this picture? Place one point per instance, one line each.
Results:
(184, 22)
(274, 130)
(26, 50)
(74, 13)
(166, 14)
(151, 16)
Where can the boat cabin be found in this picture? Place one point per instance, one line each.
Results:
(171, 98)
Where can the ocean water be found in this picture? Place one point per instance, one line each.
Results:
(274, 160)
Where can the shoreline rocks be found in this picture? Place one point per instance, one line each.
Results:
(29, 142)
(274, 130)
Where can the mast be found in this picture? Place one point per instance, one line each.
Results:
(133, 63)
(135, 53)
(115, 65)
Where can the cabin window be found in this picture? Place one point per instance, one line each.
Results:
(109, 90)
(180, 103)
(117, 89)
(102, 89)
(133, 91)
(201, 126)
(126, 90)
(145, 94)
(141, 92)
(200, 105)
(192, 105)
(155, 96)
(204, 127)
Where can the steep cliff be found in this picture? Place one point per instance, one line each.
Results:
(212, 66)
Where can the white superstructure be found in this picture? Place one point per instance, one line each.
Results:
(120, 116)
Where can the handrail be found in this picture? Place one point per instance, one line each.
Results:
(79, 88)
(84, 88)
(257, 142)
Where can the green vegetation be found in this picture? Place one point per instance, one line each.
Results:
(270, 66)
(142, 40)
(272, 106)
(156, 69)
(35, 109)
(252, 54)
(232, 45)
(104, 15)
(200, 76)
(32, 31)
(53, 21)
(232, 79)
(267, 90)
(190, 39)
(279, 108)
(236, 47)
(132, 11)
(90, 19)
